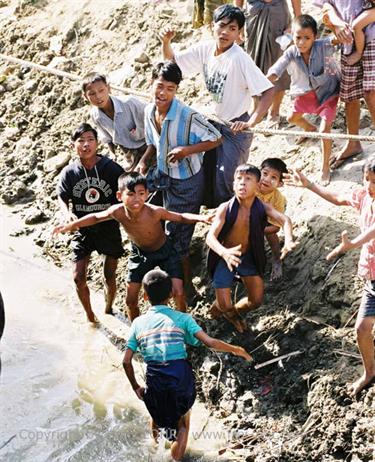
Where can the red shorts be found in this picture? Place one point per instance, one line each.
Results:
(309, 104)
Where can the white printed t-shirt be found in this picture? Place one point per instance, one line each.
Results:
(231, 78)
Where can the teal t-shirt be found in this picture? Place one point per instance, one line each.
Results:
(162, 334)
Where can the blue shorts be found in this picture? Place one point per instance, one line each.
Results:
(367, 307)
(223, 277)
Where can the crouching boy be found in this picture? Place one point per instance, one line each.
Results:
(161, 336)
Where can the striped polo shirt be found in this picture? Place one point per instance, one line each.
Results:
(162, 334)
(182, 126)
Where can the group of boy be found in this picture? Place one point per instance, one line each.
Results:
(250, 207)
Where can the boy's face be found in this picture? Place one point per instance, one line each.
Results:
(245, 185)
(369, 183)
(163, 92)
(303, 38)
(133, 200)
(97, 94)
(269, 180)
(86, 146)
(225, 33)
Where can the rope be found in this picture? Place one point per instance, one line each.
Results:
(259, 130)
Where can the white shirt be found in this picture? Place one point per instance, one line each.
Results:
(231, 77)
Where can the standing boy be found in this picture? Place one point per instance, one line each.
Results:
(161, 336)
(236, 239)
(150, 246)
(178, 135)
(272, 170)
(231, 78)
(119, 120)
(89, 184)
(362, 199)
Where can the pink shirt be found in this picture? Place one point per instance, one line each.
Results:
(361, 201)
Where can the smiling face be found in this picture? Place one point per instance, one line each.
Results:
(163, 92)
(245, 185)
(269, 180)
(85, 146)
(133, 200)
(225, 33)
(369, 183)
(303, 38)
(97, 94)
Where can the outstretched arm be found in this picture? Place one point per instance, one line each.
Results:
(219, 345)
(129, 371)
(297, 178)
(286, 223)
(347, 244)
(188, 218)
(88, 220)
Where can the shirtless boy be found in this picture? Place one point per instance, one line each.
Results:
(150, 245)
(236, 238)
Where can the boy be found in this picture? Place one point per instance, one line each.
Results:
(89, 184)
(119, 120)
(236, 240)
(231, 78)
(150, 245)
(361, 199)
(179, 136)
(357, 81)
(272, 170)
(161, 336)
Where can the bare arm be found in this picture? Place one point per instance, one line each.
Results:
(340, 27)
(129, 371)
(296, 5)
(287, 225)
(88, 220)
(188, 218)
(166, 37)
(141, 167)
(262, 107)
(238, 3)
(272, 229)
(111, 147)
(219, 345)
(297, 178)
(347, 244)
(180, 152)
(64, 207)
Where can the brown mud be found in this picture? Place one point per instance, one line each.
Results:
(295, 410)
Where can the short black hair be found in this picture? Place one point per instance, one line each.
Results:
(369, 165)
(92, 77)
(130, 181)
(248, 169)
(81, 129)
(158, 286)
(169, 70)
(306, 22)
(276, 164)
(231, 12)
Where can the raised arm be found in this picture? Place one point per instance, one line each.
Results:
(347, 244)
(297, 178)
(219, 345)
(332, 20)
(88, 220)
(166, 36)
(286, 223)
(129, 371)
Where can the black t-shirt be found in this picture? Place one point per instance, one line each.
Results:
(90, 190)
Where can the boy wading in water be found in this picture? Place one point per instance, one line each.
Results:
(236, 238)
(362, 199)
(161, 336)
(150, 245)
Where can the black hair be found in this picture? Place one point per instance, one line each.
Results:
(158, 286)
(306, 22)
(130, 181)
(92, 77)
(276, 164)
(81, 129)
(369, 165)
(230, 12)
(169, 70)
(248, 169)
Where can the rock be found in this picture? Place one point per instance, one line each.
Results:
(56, 163)
(35, 216)
(56, 44)
(10, 133)
(23, 147)
(31, 85)
(16, 192)
(142, 58)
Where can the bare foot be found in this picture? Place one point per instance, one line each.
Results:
(302, 138)
(92, 318)
(361, 384)
(108, 310)
(277, 270)
(234, 318)
(214, 311)
(325, 178)
(353, 58)
(352, 148)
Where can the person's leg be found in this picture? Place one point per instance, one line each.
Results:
(109, 270)
(255, 291)
(224, 304)
(274, 111)
(80, 280)
(370, 101)
(325, 127)
(277, 268)
(179, 294)
(296, 118)
(131, 301)
(178, 446)
(363, 20)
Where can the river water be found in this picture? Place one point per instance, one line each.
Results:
(64, 395)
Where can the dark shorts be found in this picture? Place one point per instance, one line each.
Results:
(170, 393)
(223, 277)
(166, 258)
(367, 307)
(106, 240)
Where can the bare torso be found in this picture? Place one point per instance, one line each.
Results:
(240, 232)
(145, 229)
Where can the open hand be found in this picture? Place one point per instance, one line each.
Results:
(295, 178)
(341, 248)
(288, 247)
(231, 257)
(167, 34)
(243, 353)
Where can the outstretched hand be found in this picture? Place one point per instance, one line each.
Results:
(295, 178)
(288, 247)
(208, 219)
(58, 230)
(231, 257)
(243, 353)
(341, 248)
(167, 34)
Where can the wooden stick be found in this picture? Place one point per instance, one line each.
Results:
(279, 358)
(351, 317)
(347, 353)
